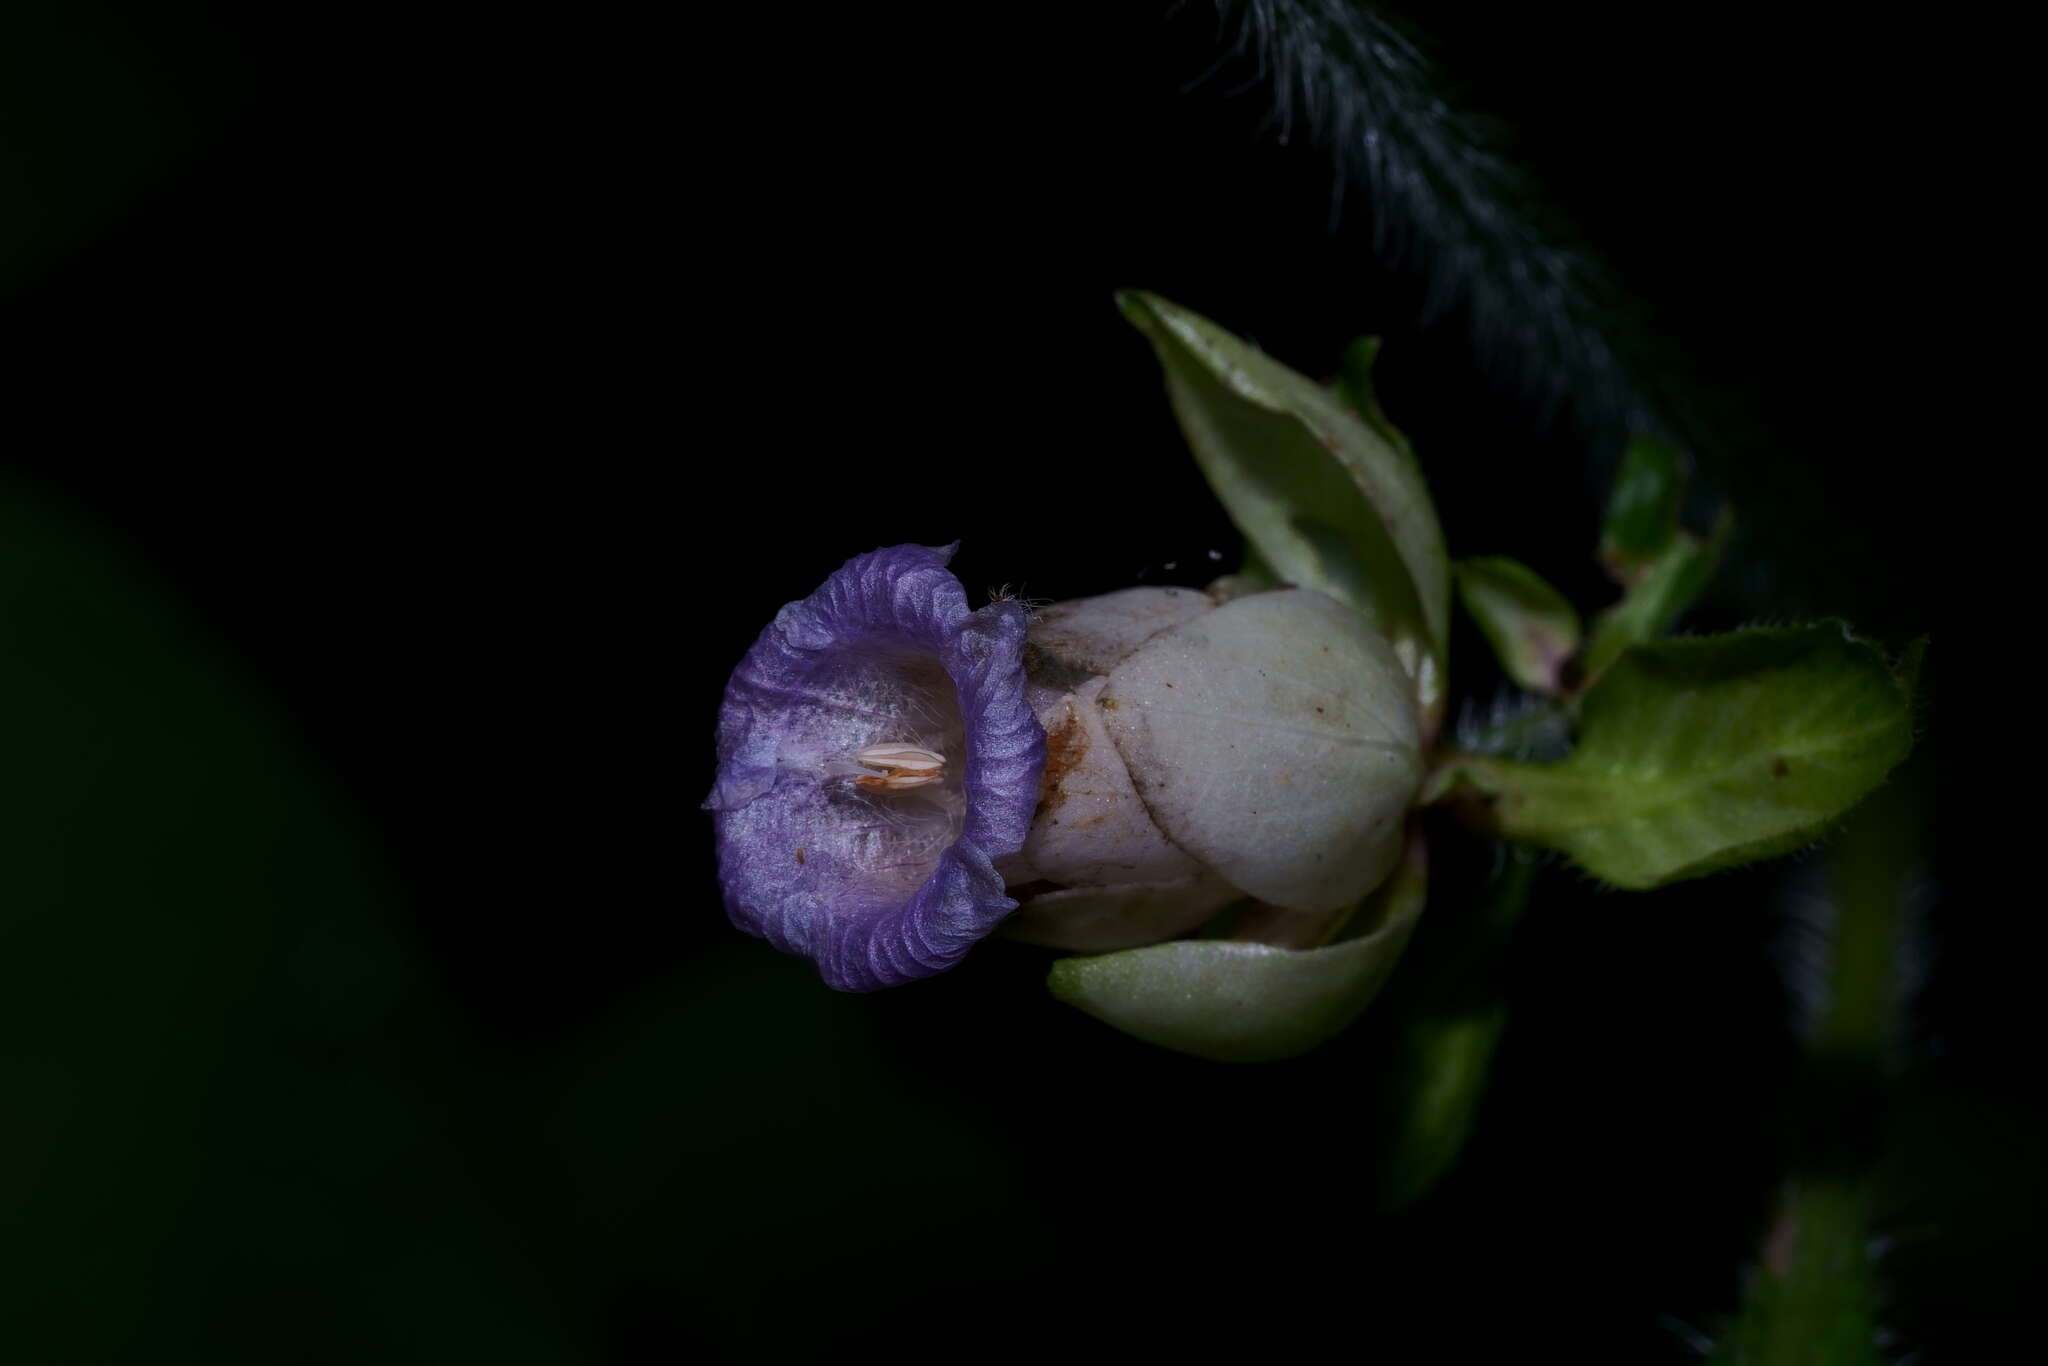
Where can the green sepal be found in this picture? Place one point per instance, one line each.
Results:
(1325, 500)
(1533, 630)
(1695, 755)
(1233, 1001)
(1354, 385)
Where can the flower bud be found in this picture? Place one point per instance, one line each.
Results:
(1197, 753)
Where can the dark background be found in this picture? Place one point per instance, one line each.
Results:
(411, 414)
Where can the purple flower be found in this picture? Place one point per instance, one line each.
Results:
(875, 756)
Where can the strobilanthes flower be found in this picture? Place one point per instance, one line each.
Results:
(876, 755)
(1213, 799)
(890, 760)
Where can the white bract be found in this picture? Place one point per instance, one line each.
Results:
(1200, 753)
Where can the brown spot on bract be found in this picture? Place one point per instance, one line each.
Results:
(1065, 746)
(1106, 703)
(799, 856)
(1779, 768)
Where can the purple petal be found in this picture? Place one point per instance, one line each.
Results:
(879, 888)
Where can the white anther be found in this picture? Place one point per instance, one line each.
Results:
(896, 768)
(907, 757)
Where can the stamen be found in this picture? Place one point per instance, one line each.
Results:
(900, 767)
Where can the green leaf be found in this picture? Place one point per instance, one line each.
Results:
(1642, 509)
(1326, 501)
(1533, 630)
(1698, 755)
(1232, 1001)
(1663, 587)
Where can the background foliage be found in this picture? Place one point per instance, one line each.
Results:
(410, 416)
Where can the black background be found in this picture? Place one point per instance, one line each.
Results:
(480, 381)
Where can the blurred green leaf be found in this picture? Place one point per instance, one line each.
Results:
(1232, 1001)
(1444, 1064)
(1697, 755)
(1324, 499)
(1443, 1055)
(1642, 509)
(1664, 586)
(225, 1097)
(1532, 629)
(99, 105)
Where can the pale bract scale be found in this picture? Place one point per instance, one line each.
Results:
(1264, 747)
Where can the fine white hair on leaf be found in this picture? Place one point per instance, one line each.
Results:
(1446, 202)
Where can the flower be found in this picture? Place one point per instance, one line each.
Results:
(1201, 752)
(897, 773)
(876, 755)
